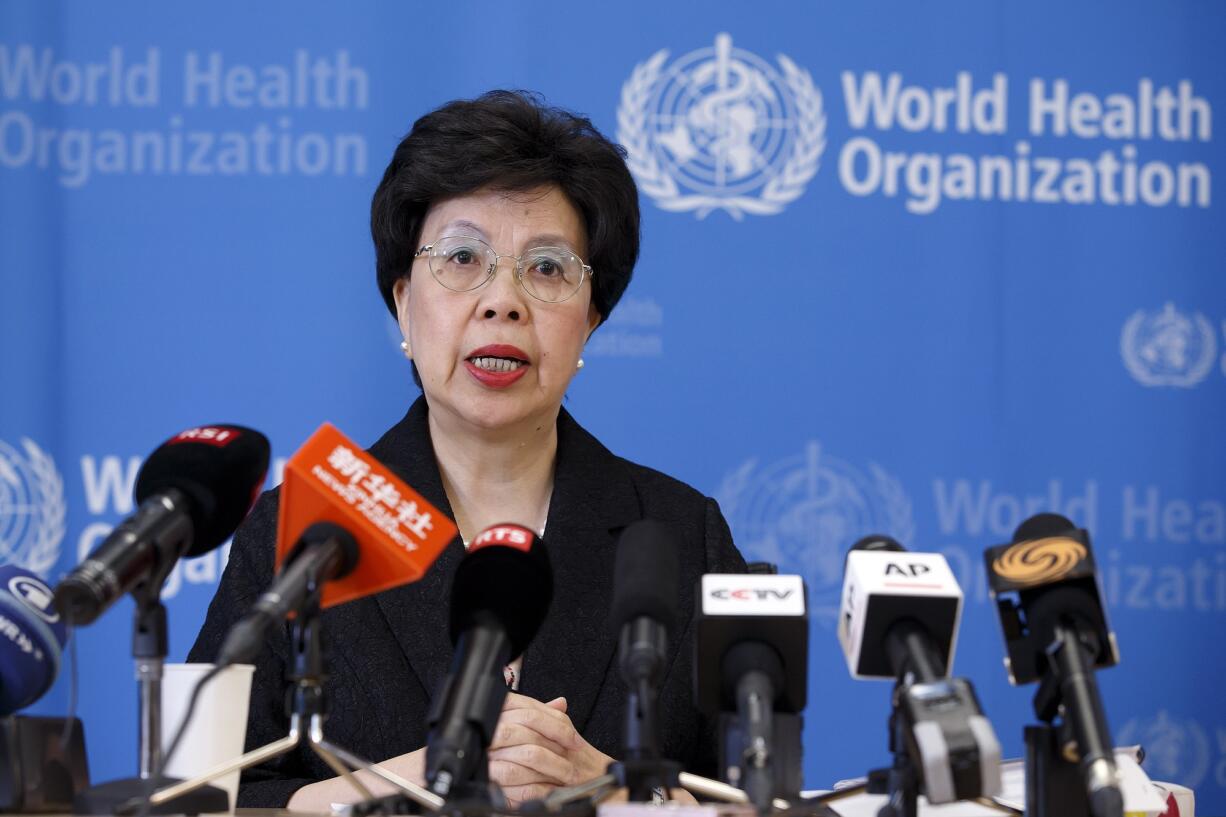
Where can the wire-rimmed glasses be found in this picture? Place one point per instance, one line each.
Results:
(463, 263)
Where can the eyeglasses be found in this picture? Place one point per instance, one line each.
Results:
(462, 263)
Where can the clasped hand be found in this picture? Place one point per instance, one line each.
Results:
(536, 749)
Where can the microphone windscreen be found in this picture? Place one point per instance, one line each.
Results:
(874, 542)
(1043, 526)
(34, 635)
(321, 532)
(645, 576)
(751, 656)
(1066, 604)
(879, 542)
(220, 468)
(504, 579)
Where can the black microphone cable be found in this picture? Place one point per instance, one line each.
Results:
(73, 687)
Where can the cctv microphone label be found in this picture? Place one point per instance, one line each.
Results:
(739, 595)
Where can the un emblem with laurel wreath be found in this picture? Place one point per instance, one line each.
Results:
(721, 129)
(1168, 348)
(803, 512)
(1176, 748)
(32, 508)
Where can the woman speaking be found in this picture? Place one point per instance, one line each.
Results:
(505, 232)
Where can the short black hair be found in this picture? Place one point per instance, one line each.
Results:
(513, 141)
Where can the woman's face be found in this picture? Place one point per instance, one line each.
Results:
(465, 344)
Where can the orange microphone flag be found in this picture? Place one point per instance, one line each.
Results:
(399, 533)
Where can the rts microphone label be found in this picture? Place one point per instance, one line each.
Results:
(514, 536)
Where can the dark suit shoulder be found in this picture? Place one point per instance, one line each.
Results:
(249, 570)
(670, 500)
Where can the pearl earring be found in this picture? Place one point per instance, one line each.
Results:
(580, 366)
(404, 347)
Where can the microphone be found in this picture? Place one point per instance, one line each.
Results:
(347, 524)
(32, 636)
(1045, 584)
(192, 493)
(643, 618)
(751, 655)
(325, 552)
(883, 586)
(899, 619)
(499, 598)
(346, 528)
(42, 760)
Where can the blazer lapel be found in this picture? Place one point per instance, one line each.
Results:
(593, 499)
(417, 613)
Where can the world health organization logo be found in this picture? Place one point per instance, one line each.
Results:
(32, 508)
(1168, 348)
(1175, 749)
(804, 512)
(721, 129)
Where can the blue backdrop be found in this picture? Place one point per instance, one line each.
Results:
(914, 268)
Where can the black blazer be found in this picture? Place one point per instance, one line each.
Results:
(387, 653)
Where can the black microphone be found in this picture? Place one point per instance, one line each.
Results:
(1046, 587)
(192, 493)
(323, 553)
(643, 618)
(751, 655)
(899, 620)
(499, 599)
(752, 672)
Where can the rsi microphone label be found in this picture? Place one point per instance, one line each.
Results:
(210, 435)
(737, 595)
(35, 504)
(514, 536)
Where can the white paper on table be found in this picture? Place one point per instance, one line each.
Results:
(1141, 797)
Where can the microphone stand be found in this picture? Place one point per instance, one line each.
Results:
(149, 647)
(308, 705)
(1054, 779)
(900, 782)
(643, 771)
(760, 748)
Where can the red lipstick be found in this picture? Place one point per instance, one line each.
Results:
(499, 350)
(497, 379)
